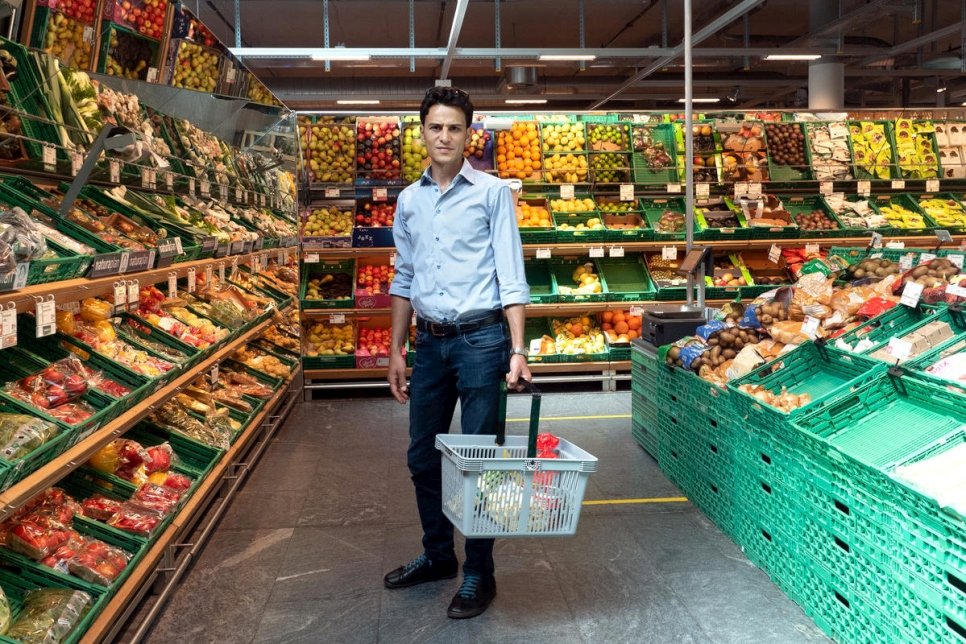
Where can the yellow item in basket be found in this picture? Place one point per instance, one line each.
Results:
(106, 458)
(93, 309)
(65, 322)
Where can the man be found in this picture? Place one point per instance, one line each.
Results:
(459, 264)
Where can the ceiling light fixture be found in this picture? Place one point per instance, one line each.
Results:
(525, 101)
(700, 100)
(314, 53)
(330, 55)
(793, 56)
(567, 57)
(940, 90)
(357, 101)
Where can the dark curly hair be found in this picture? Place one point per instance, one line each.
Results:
(446, 96)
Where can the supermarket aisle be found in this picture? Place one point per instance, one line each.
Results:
(300, 555)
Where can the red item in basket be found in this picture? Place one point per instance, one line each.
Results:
(100, 507)
(157, 497)
(97, 562)
(159, 458)
(135, 518)
(58, 560)
(874, 306)
(37, 538)
(547, 442)
(175, 481)
(130, 456)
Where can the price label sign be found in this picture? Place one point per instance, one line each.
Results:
(261, 200)
(147, 181)
(8, 326)
(115, 169)
(332, 193)
(754, 190)
(192, 280)
(597, 251)
(209, 270)
(669, 253)
(535, 346)
(899, 348)
(864, 188)
(911, 294)
(956, 259)
(191, 186)
(810, 326)
(152, 74)
(898, 184)
(88, 34)
(281, 257)
(76, 161)
(50, 157)
(905, 262)
(617, 251)
(925, 258)
(567, 191)
(169, 181)
(932, 185)
(944, 237)
(230, 75)
(673, 188)
(741, 190)
(702, 190)
(223, 191)
(876, 240)
(826, 187)
(172, 285)
(812, 249)
(46, 316)
(958, 291)
(221, 271)
(234, 267)
(774, 253)
(311, 258)
(213, 373)
(253, 264)
(133, 295)
(337, 318)
(378, 194)
(543, 253)
(120, 296)
(238, 194)
(205, 188)
(627, 192)
(896, 244)
(636, 311)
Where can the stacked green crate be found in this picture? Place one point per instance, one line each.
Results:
(644, 398)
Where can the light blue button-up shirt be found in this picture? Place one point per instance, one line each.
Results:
(458, 252)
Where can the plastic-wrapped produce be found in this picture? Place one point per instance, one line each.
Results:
(136, 519)
(20, 233)
(4, 612)
(21, 434)
(157, 497)
(100, 507)
(172, 416)
(49, 615)
(98, 562)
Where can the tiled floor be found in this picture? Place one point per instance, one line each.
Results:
(300, 554)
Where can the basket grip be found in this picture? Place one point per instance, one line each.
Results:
(534, 416)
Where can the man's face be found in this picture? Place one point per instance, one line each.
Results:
(445, 134)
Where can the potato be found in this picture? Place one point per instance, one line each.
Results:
(729, 354)
(727, 337)
(859, 273)
(766, 320)
(739, 343)
(674, 353)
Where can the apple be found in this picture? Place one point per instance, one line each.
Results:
(374, 280)
(378, 151)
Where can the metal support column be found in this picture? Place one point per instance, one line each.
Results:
(325, 32)
(580, 24)
(496, 18)
(238, 42)
(689, 143)
(412, 34)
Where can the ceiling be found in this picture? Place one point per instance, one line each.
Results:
(896, 53)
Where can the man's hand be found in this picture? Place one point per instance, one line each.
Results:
(397, 378)
(519, 370)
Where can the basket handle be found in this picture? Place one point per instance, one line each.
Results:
(535, 396)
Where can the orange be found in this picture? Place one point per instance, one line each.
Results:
(618, 317)
(634, 322)
(606, 326)
(576, 329)
(632, 334)
(607, 316)
(621, 327)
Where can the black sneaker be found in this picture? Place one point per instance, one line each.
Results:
(419, 571)
(473, 597)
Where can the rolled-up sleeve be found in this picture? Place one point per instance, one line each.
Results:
(507, 248)
(403, 280)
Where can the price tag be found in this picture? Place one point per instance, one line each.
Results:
(774, 253)
(958, 291)
(115, 168)
(673, 188)
(566, 191)
(875, 256)
(899, 348)
(535, 346)
(864, 188)
(616, 251)
(50, 157)
(669, 253)
(88, 34)
(896, 244)
(911, 294)
(932, 185)
(957, 260)
(311, 258)
(205, 188)
(392, 259)
(20, 275)
(8, 326)
(152, 74)
(133, 295)
(337, 318)
(741, 190)
(378, 194)
(543, 253)
(332, 193)
(172, 285)
(221, 271)
(223, 191)
(876, 240)
(944, 237)
(178, 246)
(253, 264)
(230, 75)
(209, 269)
(702, 190)
(261, 200)
(636, 310)
(627, 192)
(46, 316)
(192, 280)
(238, 194)
(898, 184)
(213, 373)
(120, 296)
(234, 267)
(754, 190)
(925, 258)
(191, 186)
(812, 249)
(76, 161)
(146, 179)
(597, 251)
(810, 326)
(169, 181)
(281, 257)
(826, 187)
(905, 262)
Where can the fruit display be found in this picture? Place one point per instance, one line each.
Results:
(743, 158)
(576, 205)
(855, 214)
(533, 215)
(323, 339)
(704, 137)
(612, 207)
(328, 221)
(376, 214)
(374, 279)
(947, 213)
(261, 361)
(578, 336)
(620, 326)
(828, 145)
(258, 93)
(935, 272)
(563, 137)
(610, 167)
(786, 145)
(518, 152)
(565, 168)
(65, 39)
(332, 285)
(330, 152)
(670, 222)
(80, 10)
(585, 279)
(784, 400)
(950, 137)
(728, 271)
(655, 152)
(373, 342)
(476, 148)
(769, 212)
(717, 214)
(815, 220)
(578, 226)
(195, 67)
(415, 155)
(129, 56)
(378, 150)
(664, 272)
(871, 150)
(143, 16)
(901, 216)
(705, 168)
(875, 268)
(915, 149)
(607, 138)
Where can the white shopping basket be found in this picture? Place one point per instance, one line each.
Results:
(493, 486)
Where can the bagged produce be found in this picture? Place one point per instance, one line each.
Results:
(684, 352)
(21, 434)
(5, 613)
(49, 615)
(136, 519)
(790, 332)
(98, 562)
(18, 232)
(100, 507)
(163, 499)
(172, 480)
(95, 310)
(38, 536)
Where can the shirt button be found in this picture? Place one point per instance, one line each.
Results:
(436, 238)
(440, 292)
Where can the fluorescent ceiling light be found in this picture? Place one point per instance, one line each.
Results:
(337, 55)
(568, 57)
(940, 90)
(315, 53)
(525, 101)
(357, 101)
(700, 100)
(793, 56)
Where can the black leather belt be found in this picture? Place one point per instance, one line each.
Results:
(448, 329)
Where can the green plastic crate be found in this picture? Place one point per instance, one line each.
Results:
(907, 202)
(654, 208)
(134, 329)
(707, 233)
(797, 205)
(643, 173)
(17, 580)
(626, 279)
(895, 322)
(562, 270)
(543, 288)
(311, 270)
(577, 236)
(885, 146)
(787, 174)
(535, 329)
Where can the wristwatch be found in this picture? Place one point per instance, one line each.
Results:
(520, 351)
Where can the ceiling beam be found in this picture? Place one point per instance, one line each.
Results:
(925, 39)
(454, 36)
(705, 32)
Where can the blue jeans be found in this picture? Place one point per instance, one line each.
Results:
(467, 367)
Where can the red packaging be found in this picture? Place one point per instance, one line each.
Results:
(100, 507)
(98, 562)
(37, 539)
(874, 307)
(136, 519)
(157, 497)
(131, 456)
(159, 458)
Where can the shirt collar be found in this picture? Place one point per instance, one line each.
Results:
(466, 171)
